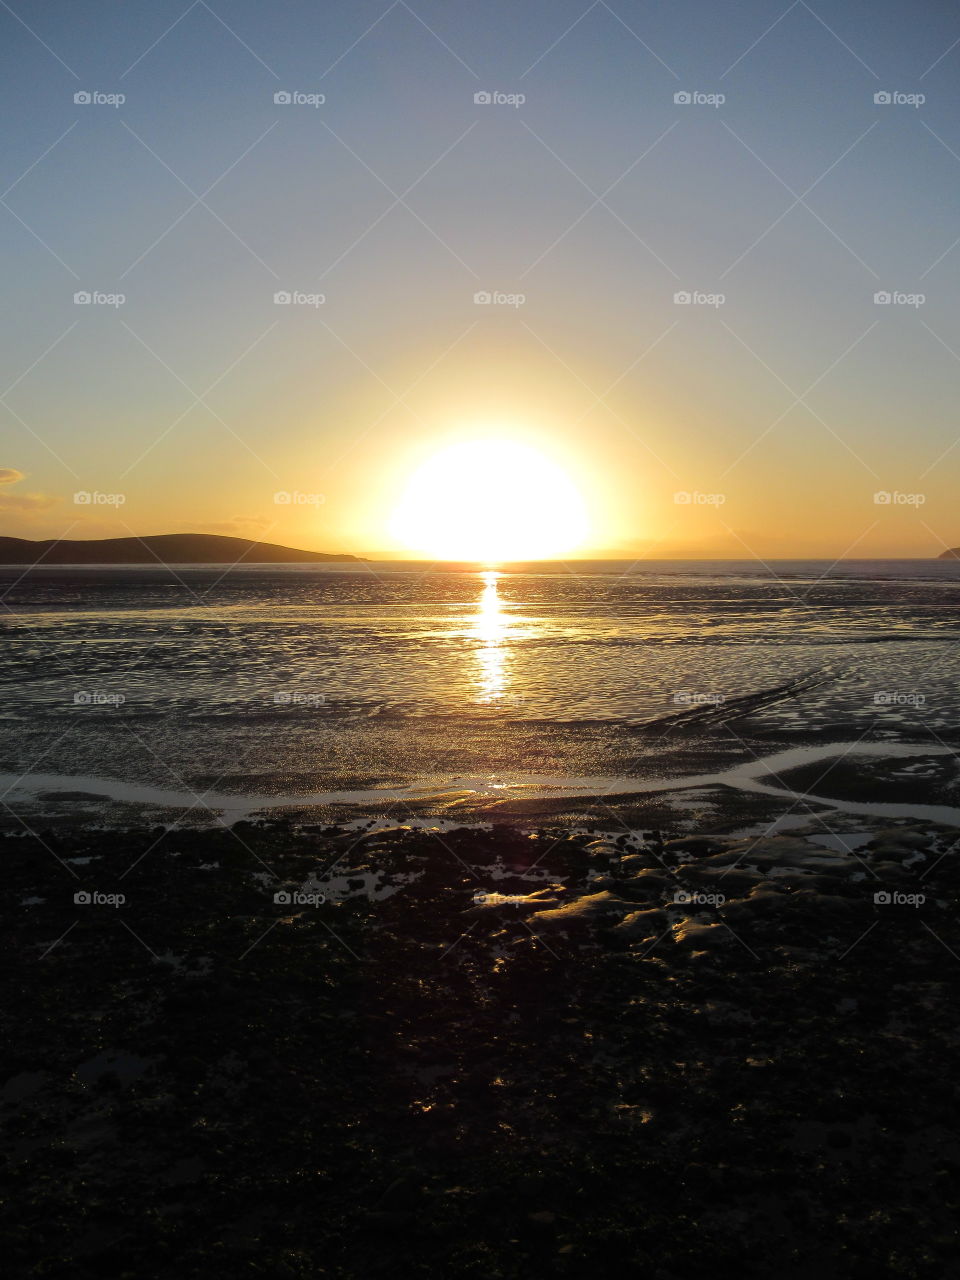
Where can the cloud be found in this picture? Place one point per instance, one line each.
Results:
(237, 527)
(26, 502)
(21, 501)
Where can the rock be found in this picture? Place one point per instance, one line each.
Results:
(763, 902)
(698, 844)
(592, 908)
(485, 901)
(640, 925)
(902, 836)
(832, 905)
(728, 880)
(785, 851)
(655, 881)
(602, 849)
(694, 936)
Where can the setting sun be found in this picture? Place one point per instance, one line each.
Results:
(490, 501)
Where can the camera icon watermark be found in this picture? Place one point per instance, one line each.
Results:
(94, 98)
(894, 298)
(895, 898)
(488, 298)
(482, 899)
(94, 298)
(283, 698)
(895, 698)
(494, 98)
(894, 98)
(694, 498)
(94, 498)
(295, 298)
(692, 898)
(94, 898)
(297, 898)
(694, 98)
(294, 98)
(894, 498)
(294, 498)
(96, 698)
(695, 298)
(690, 698)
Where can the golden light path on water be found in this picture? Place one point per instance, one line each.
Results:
(490, 628)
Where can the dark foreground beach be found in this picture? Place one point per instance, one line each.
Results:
(617, 930)
(507, 1050)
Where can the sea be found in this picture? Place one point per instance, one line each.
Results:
(368, 678)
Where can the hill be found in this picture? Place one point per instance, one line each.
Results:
(161, 548)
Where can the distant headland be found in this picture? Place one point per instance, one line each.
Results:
(952, 554)
(160, 548)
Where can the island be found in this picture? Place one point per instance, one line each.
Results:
(159, 549)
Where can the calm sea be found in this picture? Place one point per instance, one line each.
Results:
(351, 675)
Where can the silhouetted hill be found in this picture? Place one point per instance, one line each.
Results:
(160, 548)
(952, 554)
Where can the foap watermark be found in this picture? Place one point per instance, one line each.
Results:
(691, 698)
(97, 698)
(896, 898)
(295, 498)
(284, 698)
(494, 98)
(694, 498)
(509, 699)
(486, 298)
(497, 899)
(94, 898)
(94, 298)
(94, 498)
(894, 98)
(295, 98)
(693, 898)
(696, 298)
(894, 298)
(296, 298)
(297, 898)
(897, 698)
(694, 98)
(95, 98)
(894, 498)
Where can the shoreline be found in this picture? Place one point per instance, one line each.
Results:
(485, 795)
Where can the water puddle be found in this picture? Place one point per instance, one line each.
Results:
(751, 776)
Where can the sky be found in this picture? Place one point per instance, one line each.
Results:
(631, 157)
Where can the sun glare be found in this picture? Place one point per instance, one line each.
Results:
(490, 501)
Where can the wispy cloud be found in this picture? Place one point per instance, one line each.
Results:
(21, 501)
(237, 526)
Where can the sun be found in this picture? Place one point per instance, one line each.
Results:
(489, 501)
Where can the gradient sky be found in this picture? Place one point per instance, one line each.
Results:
(598, 199)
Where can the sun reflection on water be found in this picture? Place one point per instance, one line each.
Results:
(490, 628)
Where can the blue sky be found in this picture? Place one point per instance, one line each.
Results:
(598, 198)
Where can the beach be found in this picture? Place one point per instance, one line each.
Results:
(437, 960)
(485, 1050)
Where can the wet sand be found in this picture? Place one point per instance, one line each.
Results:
(511, 1048)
